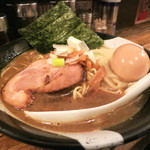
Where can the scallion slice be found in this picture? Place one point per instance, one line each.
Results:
(58, 62)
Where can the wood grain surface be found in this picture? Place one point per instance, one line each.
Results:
(137, 33)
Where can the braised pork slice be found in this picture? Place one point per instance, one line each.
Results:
(39, 77)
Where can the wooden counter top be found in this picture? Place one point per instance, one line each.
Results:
(139, 34)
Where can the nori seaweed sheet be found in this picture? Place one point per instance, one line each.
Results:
(55, 30)
(46, 19)
(55, 26)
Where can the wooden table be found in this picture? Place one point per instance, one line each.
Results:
(139, 34)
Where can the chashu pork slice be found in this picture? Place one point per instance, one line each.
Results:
(39, 77)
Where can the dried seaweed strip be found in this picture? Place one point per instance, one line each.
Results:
(55, 31)
(47, 18)
(82, 32)
(56, 26)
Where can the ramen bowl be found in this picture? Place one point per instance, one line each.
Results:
(106, 130)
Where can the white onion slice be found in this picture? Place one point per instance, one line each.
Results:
(63, 48)
(53, 55)
(77, 44)
(60, 48)
(72, 59)
(90, 55)
(61, 53)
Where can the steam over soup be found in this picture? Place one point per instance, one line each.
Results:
(64, 79)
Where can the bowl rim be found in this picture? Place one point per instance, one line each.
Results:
(31, 138)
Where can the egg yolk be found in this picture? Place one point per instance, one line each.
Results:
(130, 62)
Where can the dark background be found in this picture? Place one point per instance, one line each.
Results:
(126, 14)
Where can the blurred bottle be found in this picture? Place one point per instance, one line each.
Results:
(4, 37)
(89, 18)
(86, 17)
(105, 15)
(26, 13)
(45, 5)
(71, 4)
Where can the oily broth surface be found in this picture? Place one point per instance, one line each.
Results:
(61, 100)
(45, 102)
(18, 64)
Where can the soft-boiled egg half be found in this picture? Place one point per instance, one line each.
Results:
(130, 62)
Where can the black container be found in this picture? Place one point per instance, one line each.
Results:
(26, 14)
(4, 37)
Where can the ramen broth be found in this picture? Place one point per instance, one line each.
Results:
(62, 100)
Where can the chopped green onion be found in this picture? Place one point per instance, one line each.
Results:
(58, 62)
